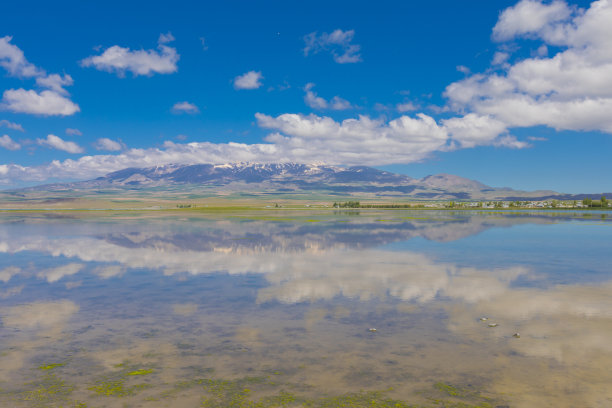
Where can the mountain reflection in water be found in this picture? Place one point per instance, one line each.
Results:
(290, 299)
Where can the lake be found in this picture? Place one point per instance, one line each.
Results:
(285, 308)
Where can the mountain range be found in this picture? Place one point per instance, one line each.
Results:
(290, 178)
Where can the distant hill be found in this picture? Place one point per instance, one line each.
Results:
(287, 178)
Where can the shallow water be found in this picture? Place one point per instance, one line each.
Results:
(275, 309)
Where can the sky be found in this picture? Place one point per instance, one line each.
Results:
(510, 93)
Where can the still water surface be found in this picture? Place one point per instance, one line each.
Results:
(278, 309)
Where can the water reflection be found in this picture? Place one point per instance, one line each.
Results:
(214, 297)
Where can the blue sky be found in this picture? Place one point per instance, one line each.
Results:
(510, 93)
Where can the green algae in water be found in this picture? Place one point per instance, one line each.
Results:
(140, 372)
(49, 391)
(114, 385)
(449, 389)
(117, 388)
(50, 366)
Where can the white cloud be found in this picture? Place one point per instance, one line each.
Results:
(316, 102)
(52, 101)
(249, 80)
(73, 132)
(312, 99)
(185, 107)
(55, 82)
(165, 38)
(139, 62)
(500, 58)
(58, 143)
(529, 17)
(11, 125)
(355, 141)
(13, 60)
(473, 130)
(46, 103)
(406, 107)
(8, 143)
(108, 144)
(463, 69)
(542, 51)
(571, 90)
(337, 42)
(337, 103)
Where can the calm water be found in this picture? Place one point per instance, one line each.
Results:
(277, 309)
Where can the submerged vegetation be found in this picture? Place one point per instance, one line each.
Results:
(267, 391)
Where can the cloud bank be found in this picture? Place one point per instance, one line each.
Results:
(571, 90)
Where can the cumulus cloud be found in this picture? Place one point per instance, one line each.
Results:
(11, 125)
(55, 82)
(46, 103)
(108, 145)
(249, 80)
(139, 62)
(473, 130)
(338, 43)
(571, 90)
(8, 143)
(185, 107)
(363, 140)
(52, 101)
(73, 132)
(316, 102)
(58, 143)
(529, 17)
(13, 60)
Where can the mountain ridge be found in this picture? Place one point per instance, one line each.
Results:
(284, 178)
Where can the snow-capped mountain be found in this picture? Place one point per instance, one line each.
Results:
(293, 177)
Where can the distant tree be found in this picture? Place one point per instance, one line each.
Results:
(604, 201)
(587, 202)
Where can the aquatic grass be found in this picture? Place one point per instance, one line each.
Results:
(48, 391)
(114, 385)
(50, 366)
(140, 372)
(117, 388)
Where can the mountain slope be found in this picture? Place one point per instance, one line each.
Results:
(292, 177)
